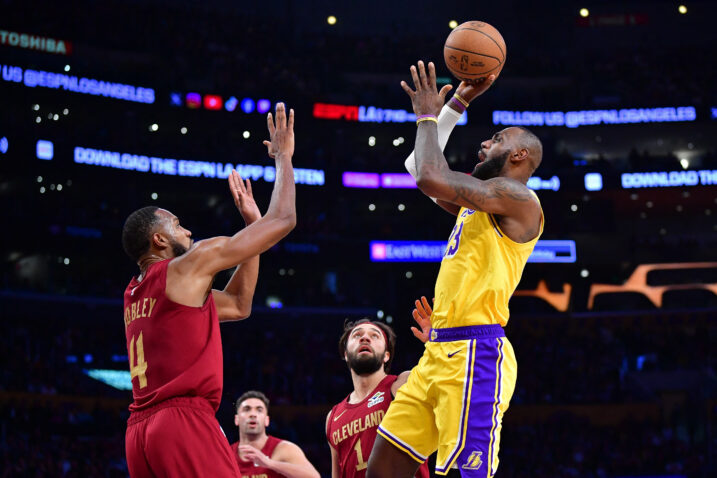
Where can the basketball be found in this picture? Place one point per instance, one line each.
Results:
(474, 50)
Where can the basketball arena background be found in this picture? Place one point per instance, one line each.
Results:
(109, 106)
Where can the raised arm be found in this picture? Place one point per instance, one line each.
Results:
(447, 120)
(210, 256)
(503, 196)
(234, 302)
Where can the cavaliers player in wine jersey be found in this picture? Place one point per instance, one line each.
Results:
(172, 315)
(367, 347)
(260, 455)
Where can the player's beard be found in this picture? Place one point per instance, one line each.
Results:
(364, 365)
(490, 168)
(177, 248)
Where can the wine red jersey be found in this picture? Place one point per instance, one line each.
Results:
(247, 468)
(351, 430)
(174, 350)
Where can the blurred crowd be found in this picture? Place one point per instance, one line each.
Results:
(56, 421)
(224, 47)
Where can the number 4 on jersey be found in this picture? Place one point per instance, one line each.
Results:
(140, 368)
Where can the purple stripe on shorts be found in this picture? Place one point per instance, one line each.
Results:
(474, 459)
(493, 438)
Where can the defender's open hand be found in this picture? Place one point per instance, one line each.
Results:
(422, 316)
(243, 198)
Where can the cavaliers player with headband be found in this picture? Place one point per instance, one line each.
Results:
(172, 315)
(367, 347)
(455, 398)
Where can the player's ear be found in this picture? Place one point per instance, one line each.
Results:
(236, 419)
(520, 154)
(386, 357)
(266, 422)
(159, 241)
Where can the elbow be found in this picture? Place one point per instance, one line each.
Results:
(236, 315)
(242, 309)
(427, 184)
(289, 222)
(283, 223)
(243, 313)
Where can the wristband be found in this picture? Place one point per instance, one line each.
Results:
(421, 118)
(459, 98)
(458, 104)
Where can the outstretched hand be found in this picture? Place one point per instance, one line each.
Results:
(427, 100)
(281, 134)
(422, 316)
(243, 198)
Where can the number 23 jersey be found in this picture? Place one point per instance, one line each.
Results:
(352, 428)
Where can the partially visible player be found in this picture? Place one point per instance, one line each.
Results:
(260, 455)
(367, 347)
(172, 315)
(454, 399)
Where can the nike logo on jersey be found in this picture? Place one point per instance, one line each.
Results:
(339, 415)
(453, 353)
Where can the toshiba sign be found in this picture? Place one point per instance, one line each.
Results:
(35, 42)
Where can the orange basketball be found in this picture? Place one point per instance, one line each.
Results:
(474, 50)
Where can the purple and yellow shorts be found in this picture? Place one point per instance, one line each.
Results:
(455, 399)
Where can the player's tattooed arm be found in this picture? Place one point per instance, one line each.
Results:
(503, 196)
(495, 195)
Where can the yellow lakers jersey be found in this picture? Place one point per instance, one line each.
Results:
(480, 270)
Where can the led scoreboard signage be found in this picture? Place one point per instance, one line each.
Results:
(551, 251)
(88, 86)
(573, 119)
(367, 114)
(28, 41)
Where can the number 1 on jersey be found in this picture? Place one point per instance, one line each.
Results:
(140, 368)
(361, 465)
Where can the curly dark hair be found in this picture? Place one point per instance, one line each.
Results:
(137, 231)
(388, 331)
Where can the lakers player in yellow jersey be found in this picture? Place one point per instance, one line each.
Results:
(455, 398)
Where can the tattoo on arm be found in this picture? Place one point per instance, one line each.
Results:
(498, 188)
